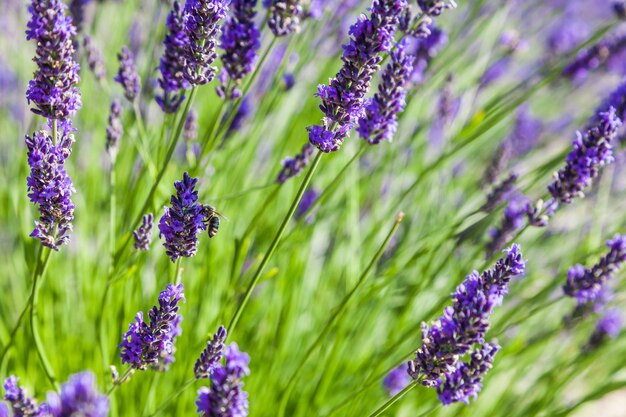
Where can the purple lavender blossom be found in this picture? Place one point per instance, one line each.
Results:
(172, 63)
(127, 74)
(4, 410)
(190, 129)
(181, 223)
(50, 187)
(226, 396)
(342, 100)
(499, 161)
(586, 284)
(447, 109)
(77, 10)
(294, 166)
(379, 119)
(115, 129)
(619, 8)
(143, 234)
(567, 34)
(514, 215)
(608, 327)
(435, 7)
(79, 397)
(397, 380)
(617, 100)
(94, 58)
(308, 199)
(499, 193)
(465, 323)
(525, 132)
(425, 50)
(240, 41)
(495, 71)
(244, 110)
(201, 19)
(53, 89)
(466, 380)
(591, 152)
(211, 355)
(21, 404)
(594, 57)
(284, 16)
(153, 343)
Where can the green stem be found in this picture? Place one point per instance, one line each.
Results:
(337, 313)
(179, 270)
(274, 244)
(394, 399)
(43, 359)
(172, 397)
(125, 377)
(142, 143)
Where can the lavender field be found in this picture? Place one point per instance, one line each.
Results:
(285, 208)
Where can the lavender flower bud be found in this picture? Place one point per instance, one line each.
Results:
(143, 234)
(608, 327)
(4, 410)
(285, 16)
(226, 396)
(53, 89)
(425, 49)
(190, 129)
(201, 19)
(77, 10)
(594, 57)
(514, 215)
(342, 100)
(21, 404)
(435, 7)
(619, 8)
(127, 74)
(591, 152)
(94, 58)
(50, 187)
(153, 343)
(294, 166)
(465, 323)
(79, 397)
(211, 355)
(308, 199)
(586, 284)
(499, 193)
(397, 380)
(466, 380)
(240, 42)
(114, 128)
(181, 223)
(499, 161)
(378, 121)
(172, 64)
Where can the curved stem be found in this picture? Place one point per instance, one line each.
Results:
(338, 311)
(394, 399)
(172, 397)
(274, 244)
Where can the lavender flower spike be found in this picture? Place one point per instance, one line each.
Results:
(514, 215)
(608, 327)
(94, 58)
(465, 323)
(591, 152)
(50, 187)
(172, 64)
(435, 7)
(181, 223)
(143, 234)
(294, 166)
(285, 16)
(127, 74)
(379, 119)
(211, 355)
(396, 380)
(586, 284)
(153, 343)
(201, 19)
(342, 100)
(500, 192)
(240, 42)
(466, 380)
(114, 128)
(20, 403)
(79, 397)
(226, 396)
(53, 89)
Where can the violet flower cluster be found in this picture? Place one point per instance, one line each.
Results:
(143, 234)
(115, 129)
(226, 396)
(463, 325)
(20, 403)
(586, 284)
(79, 396)
(594, 57)
(499, 193)
(94, 58)
(153, 343)
(172, 64)
(379, 119)
(127, 75)
(435, 7)
(294, 166)
(513, 220)
(284, 16)
(425, 49)
(211, 355)
(592, 151)
(342, 100)
(240, 41)
(53, 89)
(608, 327)
(50, 187)
(396, 380)
(201, 20)
(190, 128)
(181, 223)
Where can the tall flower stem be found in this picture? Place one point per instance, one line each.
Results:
(142, 143)
(40, 268)
(179, 271)
(112, 208)
(394, 399)
(274, 244)
(168, 157)
(338, 311)
(173, 396)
